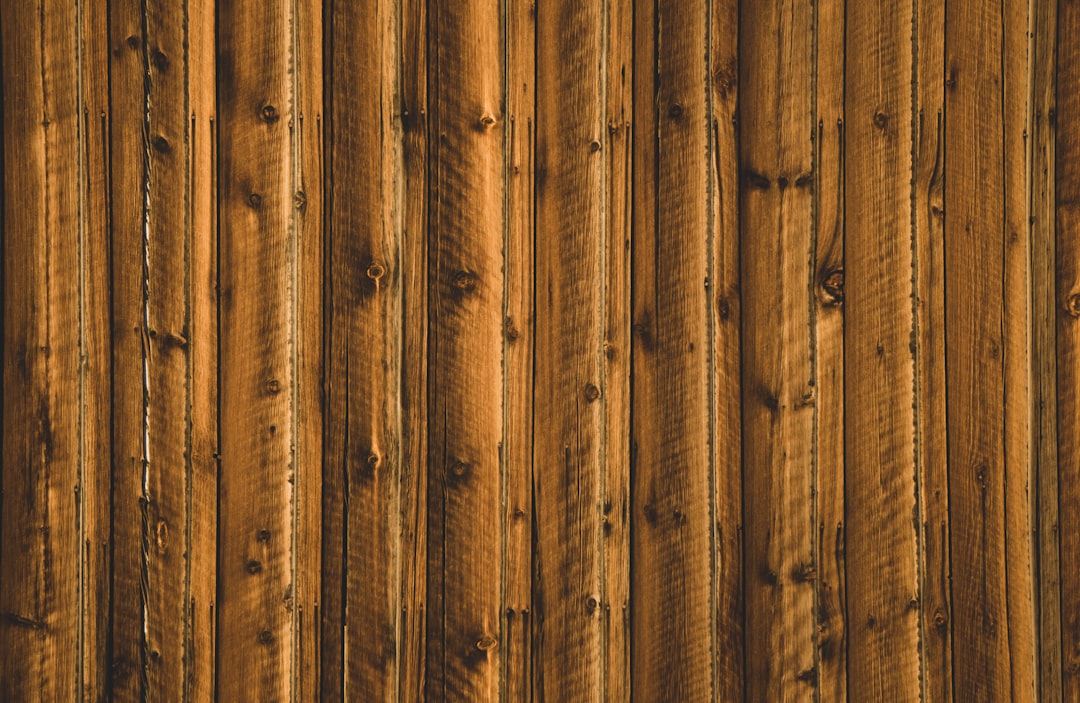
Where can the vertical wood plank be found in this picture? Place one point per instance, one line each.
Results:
(519, 339)
(1066, 166)
(1019, 507)
(307, 202)
(414, 407)
(618, 79)
(256, 638)
(569, 404)
(465, 350)
(674, 601)
(929, 203)
(203, 340)
(1044, 313)
(724, 312)
(829, 420)
(43, 408)
(974, 283)
(881, 556)
(96, 367)
(364, 369)
(129, 170)
(778, 392)
(167, 314)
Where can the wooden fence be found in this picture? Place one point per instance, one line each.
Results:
(565, 350)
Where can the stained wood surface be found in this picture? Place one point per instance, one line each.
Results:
(629, 350)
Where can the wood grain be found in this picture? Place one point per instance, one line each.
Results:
(974, 284)
(465, 376)
(778, 385)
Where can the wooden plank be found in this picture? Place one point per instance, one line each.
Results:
(519, 338)
(934, 587)
(881, 546)
(569, 414)
(256, 639)
(725, 320)
(1019, 508)
(673, 404)
(466, 198)
(619, 103)
(129, 172)
(203, 341)
(96, 368)
(829, 420)
(167, 313)
(1044, 312)
(1066, 164)
(308, 223)
(974, 280)
(364, 372)
(43, 417)
(414, 408)
(777, 382)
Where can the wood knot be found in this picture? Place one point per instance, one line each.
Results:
(594, 146)
(300, 200)
(269, 114)
(160, 144)
(266, 637)
(1072, 305)
(375, 271)
(160, 60)
(591, 604)
(465, 281)
(273, 386)
(254, 200)
(486, 643)
(591, 392)
(676, 111)
(833, 287)
(881, 120)
(253, 566)
(263, 535)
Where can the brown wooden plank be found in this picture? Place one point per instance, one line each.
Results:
(1066, 166)
(256, 639)
(203, 341)
(466, 292)
(414, 412)
(724, 312)
(619, 102)
(1019, 508)
(974, 280)
(829, 227)
(519, 336)
(364, 362)
(934, 587)
(880, 542)
(673, 403)
(94, 484)
(308, 298)
(129, 171)
(776, 124)
(167, 313)
(1044, 312)
(42, 440)
(569, 404)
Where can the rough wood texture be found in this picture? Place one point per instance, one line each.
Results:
(465, 397)
(778, 384)
(974, 284)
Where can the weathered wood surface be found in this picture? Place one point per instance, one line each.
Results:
(627, 350)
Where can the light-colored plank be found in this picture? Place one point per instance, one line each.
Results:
(465, 284)
(974, 281)
(776, 123)
(256, 639)
(724, 312)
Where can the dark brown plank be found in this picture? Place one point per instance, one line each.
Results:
(465, 411)
(256, 638)
(776, 124)
(974, 299)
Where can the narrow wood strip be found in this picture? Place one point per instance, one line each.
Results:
(725, 313)
(778, 391)
(465, 350)
(618, 79)
(519, 338)
(934, 587)
(829, 228)
(414, 408)
(1065, 125)
(974, 300)
(256, 637)
(570, 402)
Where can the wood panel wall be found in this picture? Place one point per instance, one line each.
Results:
(469, 350)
